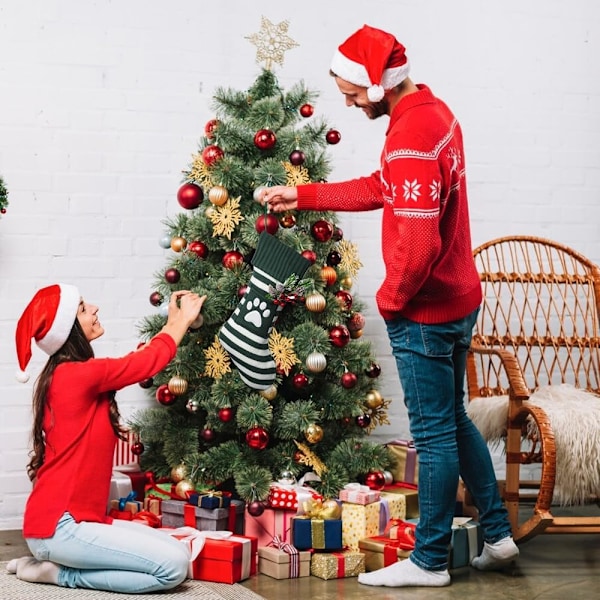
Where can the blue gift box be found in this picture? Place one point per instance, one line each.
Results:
(319, 534)
(209, 500)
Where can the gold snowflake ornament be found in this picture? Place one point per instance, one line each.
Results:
(350, 262)
(217, 360)
(282, 349)
(296, 175)
(199, 171)
(225, 218)
(309, 458)
(271, 42)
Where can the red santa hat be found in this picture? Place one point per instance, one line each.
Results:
(373, 59)
(48, 318)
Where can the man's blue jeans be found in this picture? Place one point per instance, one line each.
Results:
(123, 557)
(431, 361)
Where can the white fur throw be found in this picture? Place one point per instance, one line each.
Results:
(575, 418)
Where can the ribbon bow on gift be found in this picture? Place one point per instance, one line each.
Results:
(403, 532)
(294, 555)
(357, 487)
(317, 509)
(123, 501)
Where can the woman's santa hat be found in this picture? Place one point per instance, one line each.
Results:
(48, 318)
(373, 59)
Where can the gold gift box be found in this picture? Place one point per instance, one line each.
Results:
(336, 565)
(411, 499)
(372, 548)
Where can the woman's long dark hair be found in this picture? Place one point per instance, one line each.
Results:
(76, 349)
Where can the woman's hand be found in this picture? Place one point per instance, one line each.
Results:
(280, 198)
(184, 308)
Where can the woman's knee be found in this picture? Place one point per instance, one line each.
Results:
(175, 570)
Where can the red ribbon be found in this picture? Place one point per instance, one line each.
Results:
(341, 564)
(147, 518)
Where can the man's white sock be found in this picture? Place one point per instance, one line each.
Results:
(403, 574)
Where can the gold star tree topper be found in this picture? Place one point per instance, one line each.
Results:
(271, 42)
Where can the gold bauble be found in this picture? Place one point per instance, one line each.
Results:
(316, 362)
(270, 393)
(346, 282)
(178, 243)
(328, 275)
(356, 334)
(315, 302)
(313, 433)
(374, 399)
(218, 195)
(209, 212)
(184, 486)
(177, 385)
(331, 510)
(178, 473)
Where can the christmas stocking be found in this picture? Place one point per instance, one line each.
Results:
(245, 334)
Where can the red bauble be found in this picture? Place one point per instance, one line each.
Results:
(363, 420)
(338, 234)
(137, 448)
(344, 299)
(310, 256)
(339, 336)
(255, 509)
(210, 128)
(146, 383)
(333, 136)
(322, 230)
(297, 158)
(200, 249)
(212, 154)
(373, 371)
(334, 258)
(307, 110)
(268, 223)
(208, 435)
(264, 139)
(287, 220)
(348, 380)
(257, 438)
(156, 298)
(299, 381)
(190, 196)
(231, 259)
(375, 480)
(356, 322)
(226, 414)
(164, 395)
(172, 275)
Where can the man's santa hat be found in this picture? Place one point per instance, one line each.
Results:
(373, 59)
(48, 318)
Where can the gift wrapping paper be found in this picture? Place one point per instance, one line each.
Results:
(411, 497)
(337, 565)
(405, 466)
(279, 564)
(359, 521)
(318, 534)
(178, 513)
(290, 497)
(272, 523)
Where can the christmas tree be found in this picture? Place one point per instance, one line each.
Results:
(273, 380)
(3, 197)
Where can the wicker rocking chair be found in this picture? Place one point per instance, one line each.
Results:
(538, 330)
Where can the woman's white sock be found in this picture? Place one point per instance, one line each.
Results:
(403, 574)
(496, 556)
(34, 571)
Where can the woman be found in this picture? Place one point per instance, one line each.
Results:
(76, 426)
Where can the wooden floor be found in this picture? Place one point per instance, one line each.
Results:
(551, 567)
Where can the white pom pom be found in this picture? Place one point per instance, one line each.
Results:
(375, 93)
(21, 376)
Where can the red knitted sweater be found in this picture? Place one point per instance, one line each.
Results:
(80, 441)
(430, 275)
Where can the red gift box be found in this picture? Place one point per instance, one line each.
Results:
(218, 555)
(290, 497)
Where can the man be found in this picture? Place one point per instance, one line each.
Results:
(429, 298)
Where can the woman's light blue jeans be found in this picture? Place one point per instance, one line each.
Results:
(431, 361)
(123, 557)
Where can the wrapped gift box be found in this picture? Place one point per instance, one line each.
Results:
(153, 505)
(404, 464)
(210, 500)
(178, 513)
(226, 561)
(381, 551)
(280, 564)
(120, 487)
(138, 478)
(318, 534)
(359, 494)
(467, 542)
(272, 523)
(411, 498)
(392, 506)
(336, 565)
(290, 497)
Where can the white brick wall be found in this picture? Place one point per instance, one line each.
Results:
(102, 104)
